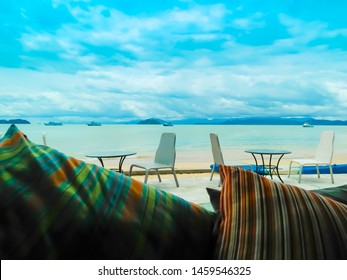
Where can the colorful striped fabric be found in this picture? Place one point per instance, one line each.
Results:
(263, 219)
(57, 207)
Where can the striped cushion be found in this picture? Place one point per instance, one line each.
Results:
(263, 219)
(57, 207)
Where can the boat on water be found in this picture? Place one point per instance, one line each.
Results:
(92, 123)
(54, 124)
(167, 124)
(306, 124)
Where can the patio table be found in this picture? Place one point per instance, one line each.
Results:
(112, 154)
(268, 168)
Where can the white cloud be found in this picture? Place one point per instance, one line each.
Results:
(164, 61)
(256, 20)
(304, 32)
(138, 35)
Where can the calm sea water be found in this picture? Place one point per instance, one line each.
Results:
(193, 143)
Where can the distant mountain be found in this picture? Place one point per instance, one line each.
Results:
(249, 121)
(219, 121)
(267, 121)
(151, 121)
(14, 121)
(283, 121)
(199, 121)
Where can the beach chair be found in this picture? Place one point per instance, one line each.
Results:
(218, 156)
(165, 157)
(323, 156)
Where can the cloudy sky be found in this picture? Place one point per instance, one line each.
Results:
(115, 60)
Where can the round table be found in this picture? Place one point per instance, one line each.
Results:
(268, 169)
(112, 154)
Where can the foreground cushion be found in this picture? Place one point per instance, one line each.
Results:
(214, 196)
(56, 207)
(263, 219)
(337, 193)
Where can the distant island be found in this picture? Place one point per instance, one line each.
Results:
(155, 121)
(219, 121)
(14, 121)
(151, 121)
(249, 121)
(283, 121)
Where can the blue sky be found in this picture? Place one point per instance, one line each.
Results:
(117, 60)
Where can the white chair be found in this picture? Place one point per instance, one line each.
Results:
(323, 156)
(218, 155)
(165, 157)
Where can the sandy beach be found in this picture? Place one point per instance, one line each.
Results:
(200, 161)
(194, 175)
(193, 185)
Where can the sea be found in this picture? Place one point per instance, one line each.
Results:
(192, 141)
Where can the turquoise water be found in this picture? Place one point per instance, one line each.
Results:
(193, 143)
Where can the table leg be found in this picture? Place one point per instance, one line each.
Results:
(256, 163)
(263, 161)
(272, 169)
(102, 163)
(257, 166)
(121, 160)
(270, 166)
(278, 163)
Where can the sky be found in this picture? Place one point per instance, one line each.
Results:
(117, 60)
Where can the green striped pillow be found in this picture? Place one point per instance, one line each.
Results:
(263, 219)
(56, 207)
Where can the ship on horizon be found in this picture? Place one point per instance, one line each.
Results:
(167, 124)
(93, 123)
(54, 124)
(307, 124)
